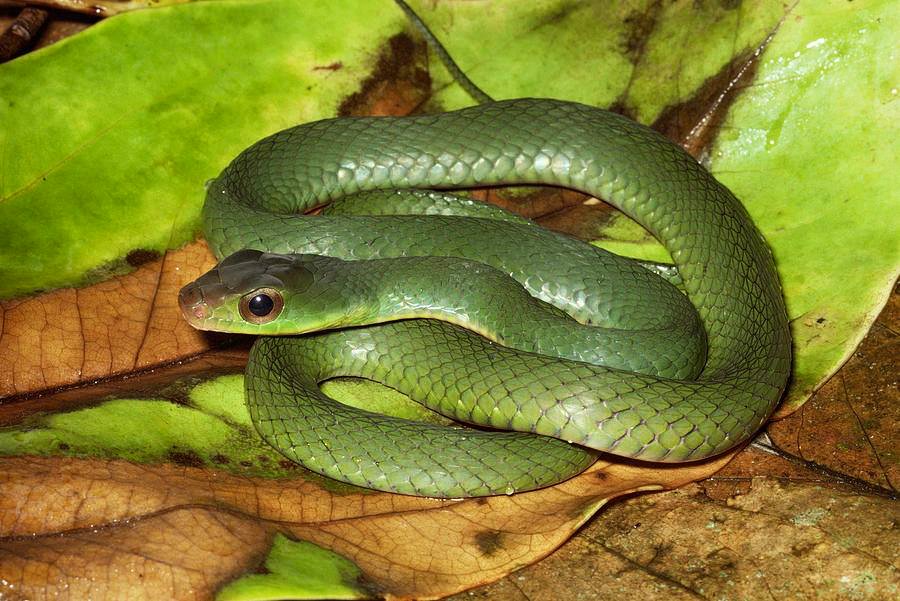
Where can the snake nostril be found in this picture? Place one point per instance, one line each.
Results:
(190, 299)
(189, 295)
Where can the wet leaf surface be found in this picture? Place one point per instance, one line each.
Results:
(128, 465)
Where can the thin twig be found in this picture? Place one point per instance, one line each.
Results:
(19, 36)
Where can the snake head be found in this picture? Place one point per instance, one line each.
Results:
(254, 292)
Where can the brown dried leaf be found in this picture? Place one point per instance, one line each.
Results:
(850, 424)
(95, 528)
(779, 540)
(128, 323)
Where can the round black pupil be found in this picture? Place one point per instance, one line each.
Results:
(261, 305)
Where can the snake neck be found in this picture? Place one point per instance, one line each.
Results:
(485, 300)
(459, 291)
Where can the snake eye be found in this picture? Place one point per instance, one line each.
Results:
(261, 306)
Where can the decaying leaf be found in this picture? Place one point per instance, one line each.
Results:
(779, 540)
(118, 326)
(166, 529)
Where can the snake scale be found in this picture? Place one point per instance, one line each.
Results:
(485, 317)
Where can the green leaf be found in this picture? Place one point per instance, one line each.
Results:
(192, 423)
(108, 136)
(298, 570)
(810, 147)
(642, 56)
(807, 147)
(198, 423)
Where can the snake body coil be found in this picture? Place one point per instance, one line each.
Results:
(635, 406)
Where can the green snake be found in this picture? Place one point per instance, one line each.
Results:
(483, 316)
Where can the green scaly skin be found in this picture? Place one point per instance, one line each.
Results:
(658, 412)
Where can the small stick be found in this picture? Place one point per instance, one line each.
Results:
(21, 33)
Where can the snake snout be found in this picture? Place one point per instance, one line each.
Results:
(193, 307)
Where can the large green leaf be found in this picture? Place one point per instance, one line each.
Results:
(809, 146)
(203, 423)
(108, 137)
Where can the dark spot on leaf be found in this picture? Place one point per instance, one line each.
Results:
(621, 108)
(141, 256)
(288, 465)
(220, 459)
(263, 458)
(105, 272)
(178, 392)
(246, 463)
(557, 16)
(371, 589)
(63, 446)
(489, 542)
(399, 82)
(640, 26)
(601, 476)
(335, 66)
(694, 123)
(821, 320)
(187, 458)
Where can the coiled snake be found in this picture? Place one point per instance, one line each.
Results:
(674, 385)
